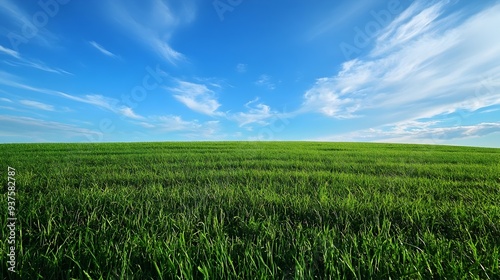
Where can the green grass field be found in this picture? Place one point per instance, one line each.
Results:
(243, 210)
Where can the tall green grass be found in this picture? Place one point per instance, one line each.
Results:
(263, 210)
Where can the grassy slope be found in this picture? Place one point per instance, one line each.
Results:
(252, 210)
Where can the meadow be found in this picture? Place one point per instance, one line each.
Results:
(252, 210)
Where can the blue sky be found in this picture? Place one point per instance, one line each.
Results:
(163, 70)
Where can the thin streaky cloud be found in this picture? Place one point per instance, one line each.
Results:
(31, 127)
(417, 23)
(23, 62)
(97, 100)
(172, 123)
(129, 113)
(5, 100)
(102, 49)
(25, 21)
(155, 26)
(37, 105)
(340, 15)
(8, 51)
(10, 9)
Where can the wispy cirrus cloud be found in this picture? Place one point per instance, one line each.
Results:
(100, 101)
(31, 129)
(169, 123)
(10, 9)
(8, 51)
(336, 17)
(420, 67)
(416, 20)
(37, 105)
(22, 62)
(102, 49)
(153, 22)
(176, 124)
(97, 100)
(21, 21)
(3, 99)
(129, 113)
(197, 97)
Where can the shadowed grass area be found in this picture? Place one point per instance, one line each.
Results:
(254, 210)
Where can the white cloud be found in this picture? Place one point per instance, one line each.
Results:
(324, 98)
(197, 97)
(97, 100)
(146, 125)
(36, 65)
(413, 22)
(37, 105)
(103, 102)
(8, 51)
(93, 99)
(257, 113)
(265, 81)
(175, 123)
(102, 49)
(153, 22)
(5, 100)
(192, 129)
(129, 113)
(424, 69)
(21, 61)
